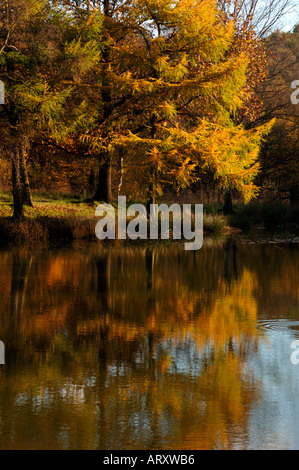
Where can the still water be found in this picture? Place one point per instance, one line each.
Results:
(142, 347)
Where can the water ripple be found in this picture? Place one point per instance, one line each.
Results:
(281, 324)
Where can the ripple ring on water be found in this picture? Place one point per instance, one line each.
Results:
(279, 325)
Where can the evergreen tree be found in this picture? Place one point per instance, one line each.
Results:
(43, 61)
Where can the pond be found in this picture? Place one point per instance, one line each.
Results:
(150, 347)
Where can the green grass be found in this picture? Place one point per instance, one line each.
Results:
(50, 205)
(54, 217)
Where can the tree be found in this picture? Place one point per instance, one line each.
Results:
(43, 62)
(262, 16)
(185, 81)
(19, 60)
(169, 83)
(279, 155)
(97, 91)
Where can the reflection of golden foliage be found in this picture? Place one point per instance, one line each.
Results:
(100, 334)
(61, 269)
(234, 313)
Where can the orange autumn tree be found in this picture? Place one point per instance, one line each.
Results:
(180, 83)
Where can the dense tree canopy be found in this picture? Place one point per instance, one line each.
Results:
(158, 93)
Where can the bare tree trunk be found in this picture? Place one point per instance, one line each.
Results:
(104, 191)
(150, 196)
(17, 186)
(91, 181)
(121, 169)
(228, 202)
(26, 193)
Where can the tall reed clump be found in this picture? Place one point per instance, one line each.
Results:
(214, 223)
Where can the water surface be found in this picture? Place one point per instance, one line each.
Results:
(150, 348)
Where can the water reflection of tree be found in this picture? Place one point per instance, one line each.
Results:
(19, 280)
(230, 260)
(154, 345)
(21, 264)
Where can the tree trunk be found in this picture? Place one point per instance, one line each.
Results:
(91, 181)
(121, 170)
(17, 186)
(294, 195)
(26, 193)
(150, 198)
(228, 202)
(152, 185)
(104, 191)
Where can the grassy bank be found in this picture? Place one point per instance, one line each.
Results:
(55, 217)
(68, 217)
